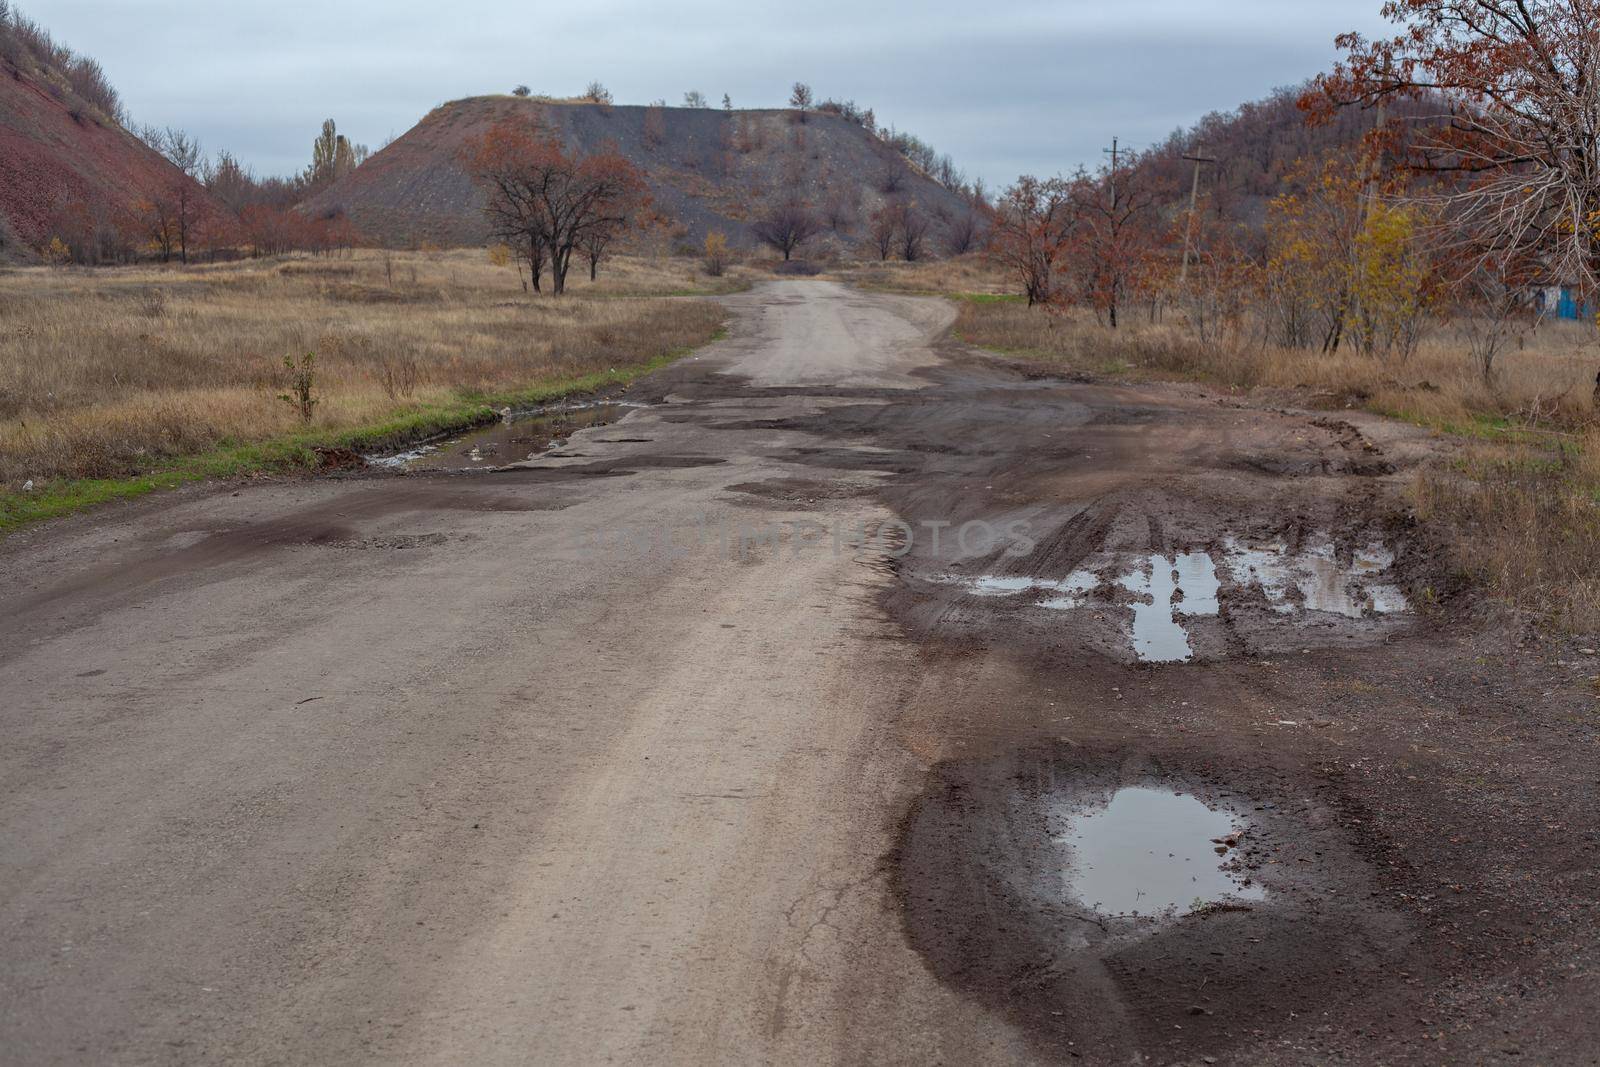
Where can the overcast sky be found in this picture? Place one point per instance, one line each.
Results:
(1028, 86)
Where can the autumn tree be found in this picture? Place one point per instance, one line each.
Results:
(1393, 280)
(1224, 279)
(1515, 90)
(786, 227)
(800, 99)
(228, 180)
(155, 219)
(1033, 224)
(548, 203)
(1116, 237)
(332, 157)
(1312, 231)
(716, 249)
(655, 124)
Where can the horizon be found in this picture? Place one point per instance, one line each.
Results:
(955, 86)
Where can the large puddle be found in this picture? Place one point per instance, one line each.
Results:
(1153, 852)
(513, 439)
(1313, 579)
(1167, 591)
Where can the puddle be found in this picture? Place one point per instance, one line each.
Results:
(992, 586)
(1184, 585)
(1169, 590)
(1314, 580)
(522, 436)
(1071, 592)
(1066, 593)
(1152, 852)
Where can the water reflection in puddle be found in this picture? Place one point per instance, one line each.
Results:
(1151, 852)
(1066, 593)
(1314, 580)
(1185, 585)
(509, 441)
(1166, 591)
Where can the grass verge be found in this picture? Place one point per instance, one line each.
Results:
(63, 496)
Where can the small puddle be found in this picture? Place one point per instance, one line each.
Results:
(1068, 592)
(520, 437)
(1154, 852)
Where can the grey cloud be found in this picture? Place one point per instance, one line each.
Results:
(1031, 86)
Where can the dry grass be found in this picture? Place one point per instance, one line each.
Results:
(1526, 524)
(103, 371)
(968, 274)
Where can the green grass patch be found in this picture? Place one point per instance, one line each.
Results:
(990, 298)
(54, 498)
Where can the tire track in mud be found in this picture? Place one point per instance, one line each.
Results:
(1275, 713)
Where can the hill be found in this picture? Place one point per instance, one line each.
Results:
(68, 168)
(1256, 147)
(707, 169)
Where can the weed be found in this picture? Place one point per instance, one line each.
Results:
(302, 382)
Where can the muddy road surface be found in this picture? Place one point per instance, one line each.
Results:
(854, 698)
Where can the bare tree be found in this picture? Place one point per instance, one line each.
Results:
(913, 230)
(892, 178)
(655, 124)
(1492, 308)
(550, 202)
(786, 227)
(963, 233)
(839, 212)
(884, 224)
(596, 93)
(595, 243)
(695, 98)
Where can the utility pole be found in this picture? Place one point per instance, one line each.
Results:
(1112, 152)
(1197, 159)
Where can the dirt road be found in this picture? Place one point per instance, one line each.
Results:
(757, 727)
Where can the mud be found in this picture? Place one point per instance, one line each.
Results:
(1362, 739)
(517, 437)
(318, 767)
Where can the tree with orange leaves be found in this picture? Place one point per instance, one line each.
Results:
(1033, 225)
(1118, 238)
(1517, 83)
(548, 203)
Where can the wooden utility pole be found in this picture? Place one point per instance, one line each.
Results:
(1197, 159)
(1112, 152)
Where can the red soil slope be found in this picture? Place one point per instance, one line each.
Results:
(54, 161)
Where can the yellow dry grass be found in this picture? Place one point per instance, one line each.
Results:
(102, 370)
